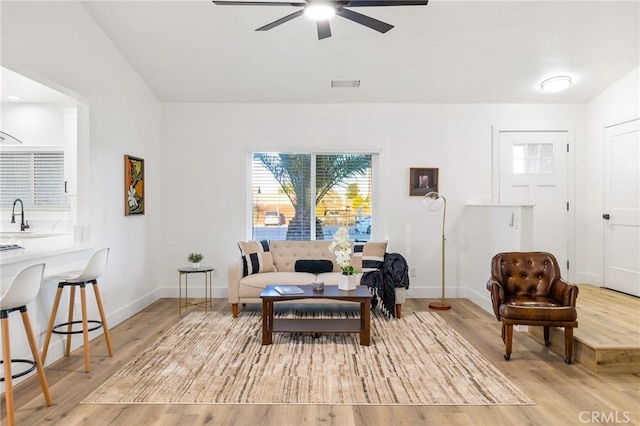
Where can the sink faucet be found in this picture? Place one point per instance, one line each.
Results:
(23, 224)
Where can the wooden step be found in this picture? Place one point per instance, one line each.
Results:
(607, 339)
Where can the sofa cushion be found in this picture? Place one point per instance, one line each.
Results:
(314, 266)
(256, 257)
(287, 252)
(368, 256)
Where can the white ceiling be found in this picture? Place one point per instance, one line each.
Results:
(446, 52)
(29, 91)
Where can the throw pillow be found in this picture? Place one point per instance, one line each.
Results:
(356, 255)
(254, 263)
(256, 257)
(247, 247)
(368, 256)
(373, 256)
(313, 266)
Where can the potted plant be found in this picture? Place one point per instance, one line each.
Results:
(195, 259)
(341, 247)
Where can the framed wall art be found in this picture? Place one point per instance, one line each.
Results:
(422, 180)
(133, 185)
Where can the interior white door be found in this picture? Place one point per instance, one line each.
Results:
(533, 171)
(622, 207)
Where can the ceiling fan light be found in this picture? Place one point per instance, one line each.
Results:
(319, 11)
(556, 84)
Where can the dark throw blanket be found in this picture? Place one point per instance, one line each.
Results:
(383, 282)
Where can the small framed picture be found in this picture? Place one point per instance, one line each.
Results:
(422, 180)
(133, 185)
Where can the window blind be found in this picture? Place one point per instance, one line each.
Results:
(36, 177)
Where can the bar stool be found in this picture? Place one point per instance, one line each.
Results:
(94, 269)
(23, 289)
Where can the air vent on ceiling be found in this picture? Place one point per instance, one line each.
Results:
(345, 83)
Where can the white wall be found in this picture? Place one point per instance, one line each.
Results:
(58, 44)
(618, 103)
(205, 171)
(18, 120)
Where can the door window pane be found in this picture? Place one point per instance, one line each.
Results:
(533, 158)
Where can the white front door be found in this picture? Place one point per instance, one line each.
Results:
(622, 207)
(533, 171)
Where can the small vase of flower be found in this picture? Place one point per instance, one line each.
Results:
(195, 259)
(341, 247)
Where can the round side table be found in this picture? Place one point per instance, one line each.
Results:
(184, 272)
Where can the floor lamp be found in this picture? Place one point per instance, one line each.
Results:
(433, 202)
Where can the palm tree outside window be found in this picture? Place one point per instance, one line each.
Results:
(309, 196)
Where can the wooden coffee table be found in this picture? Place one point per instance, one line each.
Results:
(360, 325)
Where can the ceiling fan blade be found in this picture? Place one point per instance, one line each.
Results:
(258, 3)
(281, 21)
(324, 30)
(367, 3)
(367, 21)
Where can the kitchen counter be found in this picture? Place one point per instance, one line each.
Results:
(37, 247)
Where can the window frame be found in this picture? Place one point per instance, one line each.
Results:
(375, 162)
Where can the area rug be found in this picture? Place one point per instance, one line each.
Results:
(215, 359)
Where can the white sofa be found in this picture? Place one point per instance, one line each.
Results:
(285, 254)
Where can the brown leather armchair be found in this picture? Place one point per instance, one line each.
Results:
(526, 288)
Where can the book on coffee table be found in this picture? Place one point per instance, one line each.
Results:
(288, 289)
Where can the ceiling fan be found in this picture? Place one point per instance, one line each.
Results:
(322, 10)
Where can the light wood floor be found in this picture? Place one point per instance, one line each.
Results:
(564, 394)
(607, 339)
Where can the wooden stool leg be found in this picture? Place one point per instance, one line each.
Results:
(52, 321)
(398, 310)
(508, 340)
(234, 310)
(103, 318)
(36, 356)
(72, 299)
(8, 385)
(85, 328)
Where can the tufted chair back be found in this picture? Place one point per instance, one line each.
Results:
(521, 274)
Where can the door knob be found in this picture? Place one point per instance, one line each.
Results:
(606, 216)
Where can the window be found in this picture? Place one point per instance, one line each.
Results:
(36, 177)
(533, 158)
(309, 196)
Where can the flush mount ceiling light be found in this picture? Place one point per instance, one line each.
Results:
(319, 11)
(555, 84)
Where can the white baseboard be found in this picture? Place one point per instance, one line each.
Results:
(483, 300)
(588, 278)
